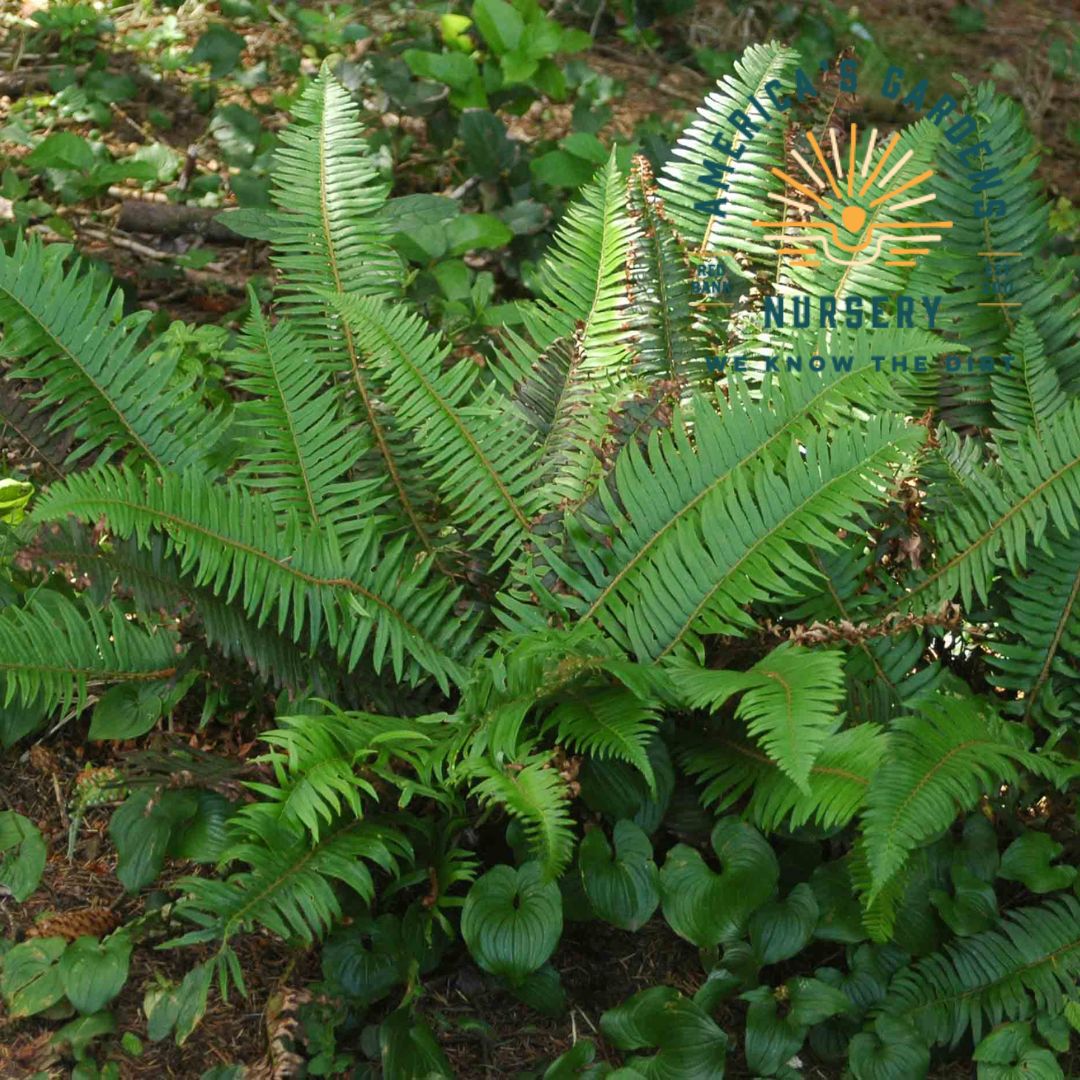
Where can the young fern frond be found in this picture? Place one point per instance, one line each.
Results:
(789, 700)
(53, 649)
(533, 792)
(113, 395)
(731, 767)
(287, 886)
(294, 575)
(939, 762)
(1029, 962)
(298, 451)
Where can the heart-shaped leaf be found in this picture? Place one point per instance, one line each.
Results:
(1027, 860)
(94, 972)
(892, 1051)
(30, 982)
(512, 920)
(623, 889)
(691, 1045)
(22, 854)
(707, 907)
(782, 928)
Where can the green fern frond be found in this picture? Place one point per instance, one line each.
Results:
(1002, 509)
(698, 543)
(534, 793)
(730, 767)
(607, 722)
(1029, 963)
(713, 154)
(326, 231)
(329, 243)
(233, 543)
(53, 649)
(1037, 652)
(299, 452)
(287, 883)
(939, 762)
(789, 701)
(1028, 393)
(993, 290)
(670, 343)
(98, 383)
(481, 465)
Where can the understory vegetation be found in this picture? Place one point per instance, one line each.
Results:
(536, 620)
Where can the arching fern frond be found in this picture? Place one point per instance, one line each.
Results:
(713, 155)
(233, 543)
(1030, 962)
(939, 762)
(53, 649)
(330, 243)
(287, 885)
(533, 792)
(1028, 393)
(693, 550)
(1038, 650)
(789, 701)
(731, 768)
(1003, 508)
(670, 343)
(98, 382)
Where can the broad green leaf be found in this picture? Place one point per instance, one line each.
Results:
(707, 907)
(30, 982)
(1027, 860)
(453, 69)
(203, 837)
(499, 23)
(22, 854)
(623, 889)
(219, 47)
(470, 232)
(141, 828)
(14, 495)
(782, 928)
(82, 1031)
(512, 920)
(126, 712)
(94, 972)
(541, 990)
(771, 1039)
(409, 1048)
(691, 1045)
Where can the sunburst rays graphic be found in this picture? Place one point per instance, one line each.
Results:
(867, 222)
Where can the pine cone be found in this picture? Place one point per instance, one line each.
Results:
(84, 922)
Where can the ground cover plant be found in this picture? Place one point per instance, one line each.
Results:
(542, 628)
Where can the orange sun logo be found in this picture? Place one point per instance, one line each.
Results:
(864, 231)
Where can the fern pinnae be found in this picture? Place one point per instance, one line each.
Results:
(232, 542)
(98, 382)
(329, 243)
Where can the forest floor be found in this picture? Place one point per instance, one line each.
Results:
(484, 1032)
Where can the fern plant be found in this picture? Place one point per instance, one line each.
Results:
(543, 586)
